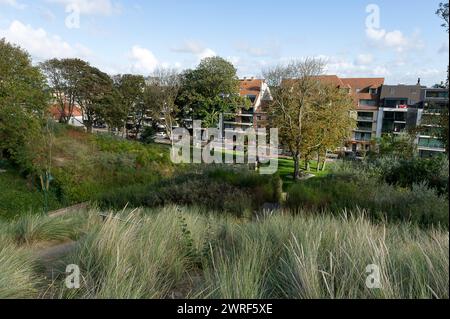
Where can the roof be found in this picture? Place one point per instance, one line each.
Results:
(250, 87)
(56, 112)
(363, 83)
(330, 79)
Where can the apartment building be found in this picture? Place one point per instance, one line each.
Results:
(433, 102)
(258, 93)
(398, 108)
(366, 96)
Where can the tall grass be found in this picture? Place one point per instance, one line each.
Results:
(185, 252)
(158, 254)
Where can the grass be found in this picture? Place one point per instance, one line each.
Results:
(286, 171)
(187, 253)
(18, 196)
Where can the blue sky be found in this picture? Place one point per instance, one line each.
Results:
(137, 36)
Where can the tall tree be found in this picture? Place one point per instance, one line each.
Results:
(443, 13)
(160, 97)
(443, 120)
(63, 77)
(294, 89)
(131, 88)
(94, 87)
(23, 99)
(210, 89)
(327, 123)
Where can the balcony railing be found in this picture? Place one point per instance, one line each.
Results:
(365, 118)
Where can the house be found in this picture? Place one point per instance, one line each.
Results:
(58, 114)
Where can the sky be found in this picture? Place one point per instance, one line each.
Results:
(400, 40)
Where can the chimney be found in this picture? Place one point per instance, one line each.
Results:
(418, 81)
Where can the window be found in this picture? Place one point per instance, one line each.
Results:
(373, 91)
(437, 94)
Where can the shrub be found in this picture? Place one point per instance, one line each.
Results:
(420, 204)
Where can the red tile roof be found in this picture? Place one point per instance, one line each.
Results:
(250, 87)
(55, 110)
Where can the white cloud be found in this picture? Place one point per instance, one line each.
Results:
(195, 48)
(364, 59)
(13, 3)
(444, 48)
(394, 39)
(89, 7)
(143, 60)
(41, 44)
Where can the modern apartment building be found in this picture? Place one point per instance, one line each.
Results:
(366, 96)
(433, 102)
(398, 108)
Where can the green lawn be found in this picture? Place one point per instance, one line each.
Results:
(286, 170)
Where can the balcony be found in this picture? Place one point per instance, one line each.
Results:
(430, 143)
(365, 118)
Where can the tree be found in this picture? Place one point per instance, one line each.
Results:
(443, 13)
(23, 100)
(94, 87)
(294, 89)
(63, 77)
(212, 88)
(443, 118)
(401, 146)
(327, 123)
(160, 98)
(131, 89)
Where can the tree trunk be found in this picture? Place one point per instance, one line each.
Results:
(296, 166)
(324, 163)
(318, 162)
(88, 127)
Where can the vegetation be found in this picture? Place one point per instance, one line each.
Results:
(303, 109)
(178, 253)
(210, 89)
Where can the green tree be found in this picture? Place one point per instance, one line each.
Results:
(210, 89)
(23, 100)
(327, 122)
(160, 98)
(95, 88)
(294, 89)
(401, 146)
(442, 12)
(63, 77)
(131, 95)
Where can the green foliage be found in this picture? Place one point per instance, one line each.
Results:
(237, 191)
(212, 88)
(23, 100)
(351, 189)
(148, 135)
(431, 171)
(397, 145)
(19, 196)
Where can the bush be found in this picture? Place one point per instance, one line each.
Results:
(420, 204)
(233, 190)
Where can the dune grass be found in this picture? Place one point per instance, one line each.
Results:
(177, 252)
(193, 254)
